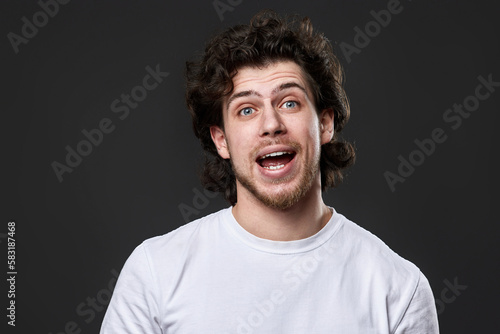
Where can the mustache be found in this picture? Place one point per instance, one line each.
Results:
(270, 142)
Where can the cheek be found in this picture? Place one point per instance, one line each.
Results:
(315, 139)
(312, 131)
(238, 146)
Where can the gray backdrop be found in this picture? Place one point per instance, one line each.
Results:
(425, 180)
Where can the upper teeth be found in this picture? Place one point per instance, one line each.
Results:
(274, 154)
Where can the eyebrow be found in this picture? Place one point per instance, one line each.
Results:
(288, 85)
(275, 91)
(241, 94)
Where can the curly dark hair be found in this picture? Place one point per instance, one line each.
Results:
(267, 39)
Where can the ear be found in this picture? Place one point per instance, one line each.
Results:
(219, 139)
(327, 119)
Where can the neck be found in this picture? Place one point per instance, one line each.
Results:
(302, 220)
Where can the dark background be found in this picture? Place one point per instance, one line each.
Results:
(71, 236)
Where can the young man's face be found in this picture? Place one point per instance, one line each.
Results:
(273, 134)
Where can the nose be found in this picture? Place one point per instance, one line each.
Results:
(272, 124)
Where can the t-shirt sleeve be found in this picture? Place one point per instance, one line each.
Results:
(420, 316)
(133, 307)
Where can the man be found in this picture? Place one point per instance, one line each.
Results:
(267, 105)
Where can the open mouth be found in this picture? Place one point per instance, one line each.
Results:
(275, 160)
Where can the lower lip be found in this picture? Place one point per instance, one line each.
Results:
(278, 173)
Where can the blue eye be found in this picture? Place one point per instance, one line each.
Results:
(246, 111)
(290, 104)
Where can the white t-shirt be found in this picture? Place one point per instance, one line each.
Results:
(212, 276)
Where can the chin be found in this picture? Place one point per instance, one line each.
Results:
(282, 196)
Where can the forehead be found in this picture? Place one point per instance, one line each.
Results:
(265, 79)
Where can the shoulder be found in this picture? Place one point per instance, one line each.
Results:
(376, 255)
(150, 274)
(375, 264)
(184, 236)
(164, 256)
(382, 277)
